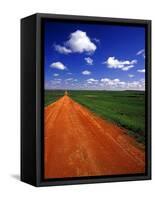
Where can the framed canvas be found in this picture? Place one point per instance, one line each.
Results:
(85, 99)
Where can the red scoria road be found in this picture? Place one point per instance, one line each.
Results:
(78, 143)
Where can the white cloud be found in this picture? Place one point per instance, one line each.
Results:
(95, 84)
(130, 75)
(116, 80)
(116, 84)
(86, 72)
(69, 79)
(105, 80)
(127, 67)
(78, 42)
(112, 82)
(89, 60)
(55, 75)
(62, 49)
(72, 81)
(124, 65)
(56, 81)
(58, 65)
(141, 52)
(92, 81)
(141, 70)
(53, 84)
(136, 85)
(69, 73)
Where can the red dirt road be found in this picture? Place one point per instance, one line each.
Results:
(78, 143)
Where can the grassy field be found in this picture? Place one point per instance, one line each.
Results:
(52, 95)
(125, 108)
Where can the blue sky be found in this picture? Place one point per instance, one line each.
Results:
(94, 56)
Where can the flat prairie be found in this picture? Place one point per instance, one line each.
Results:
(78, 142)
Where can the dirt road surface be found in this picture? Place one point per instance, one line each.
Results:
(78, 143)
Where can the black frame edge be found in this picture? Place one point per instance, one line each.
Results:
(28, 110)
(149, 97)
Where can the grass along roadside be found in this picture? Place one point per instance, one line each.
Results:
(52, 96)
(125, 108)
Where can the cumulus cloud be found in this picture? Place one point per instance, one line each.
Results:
(89, 60)
(130, 75)
(58, 65)
(78, 42)
(141, 52)
(124, 65)
(117, 84)
(62, 49)
(86, 72)
(55, 75)
(136, 85)
(127, 67)
(92, 81)
(141, 70)
(112, 82)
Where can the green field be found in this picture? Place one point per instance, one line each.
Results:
(52, 95)
(125, 108)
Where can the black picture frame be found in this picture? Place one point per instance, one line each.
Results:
(32, 99)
